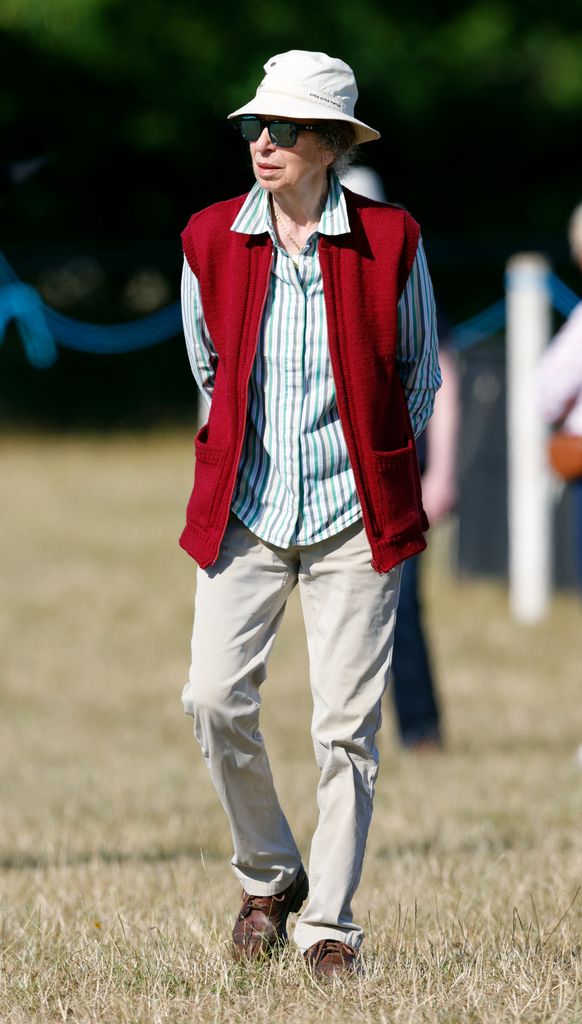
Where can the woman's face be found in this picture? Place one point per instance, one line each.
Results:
(298, 168)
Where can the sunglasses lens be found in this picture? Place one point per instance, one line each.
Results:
(250, 128)
(283, 133)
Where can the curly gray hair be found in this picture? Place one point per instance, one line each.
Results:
(337, 137)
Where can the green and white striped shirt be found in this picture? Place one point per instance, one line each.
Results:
(295, 484)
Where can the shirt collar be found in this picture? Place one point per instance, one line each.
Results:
(254, 216)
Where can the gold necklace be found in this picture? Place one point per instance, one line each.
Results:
(282, 228)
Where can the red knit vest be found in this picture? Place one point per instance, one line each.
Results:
(364, 273)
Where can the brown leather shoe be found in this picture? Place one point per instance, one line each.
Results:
(329, 958)
(262, 921)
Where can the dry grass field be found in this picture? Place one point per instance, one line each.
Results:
(116, 899)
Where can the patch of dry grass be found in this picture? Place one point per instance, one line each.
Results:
(116, 901)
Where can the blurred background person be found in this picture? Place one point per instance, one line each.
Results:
(559, 389)
(415, 692)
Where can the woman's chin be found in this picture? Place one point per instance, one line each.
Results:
(267, 180)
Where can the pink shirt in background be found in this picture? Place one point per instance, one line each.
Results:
(559, 376)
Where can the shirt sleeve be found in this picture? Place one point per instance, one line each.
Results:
(417, 354)
(559, 374)
(201, 352)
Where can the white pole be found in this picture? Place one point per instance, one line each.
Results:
(529, 483)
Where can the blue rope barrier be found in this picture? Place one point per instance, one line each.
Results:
(115, 339)
(23, 304)
(563, 298)
(490, 321)
(42, 328)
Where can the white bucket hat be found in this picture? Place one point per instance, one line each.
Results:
(301, 83)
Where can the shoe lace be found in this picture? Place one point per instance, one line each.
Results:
(262, 903)
(325, 946)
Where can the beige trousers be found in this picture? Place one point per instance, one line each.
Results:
(350, 613)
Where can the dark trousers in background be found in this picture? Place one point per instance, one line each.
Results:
(415, 699)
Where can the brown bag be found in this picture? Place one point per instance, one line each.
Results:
(565, 454)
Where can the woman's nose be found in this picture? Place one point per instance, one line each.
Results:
(264, 140)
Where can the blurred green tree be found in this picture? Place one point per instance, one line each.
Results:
(478, 103)
(125, 103)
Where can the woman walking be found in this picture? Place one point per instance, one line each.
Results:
(309, 321)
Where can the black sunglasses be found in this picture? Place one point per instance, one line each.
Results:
(281, 133)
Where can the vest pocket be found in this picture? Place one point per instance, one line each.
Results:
(208, 471)
(396, 471)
